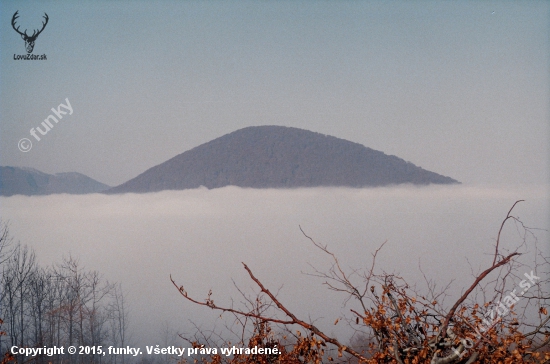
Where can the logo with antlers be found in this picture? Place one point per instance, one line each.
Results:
(29, 39)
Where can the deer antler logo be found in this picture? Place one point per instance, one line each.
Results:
(29, 40)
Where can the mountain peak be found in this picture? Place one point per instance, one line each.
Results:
(29, 181)
(273, 156)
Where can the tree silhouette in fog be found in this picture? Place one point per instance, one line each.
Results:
(491, 322)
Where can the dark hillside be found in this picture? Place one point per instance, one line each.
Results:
(279, 157)
(29, 181)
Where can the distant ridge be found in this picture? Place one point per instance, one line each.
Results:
(279, 157)
(30, 182)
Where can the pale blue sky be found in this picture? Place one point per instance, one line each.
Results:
(460, 88)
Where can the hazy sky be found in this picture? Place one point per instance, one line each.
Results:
(460, 88)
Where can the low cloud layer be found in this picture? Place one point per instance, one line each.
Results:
(201, 237)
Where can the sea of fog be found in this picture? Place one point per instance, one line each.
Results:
(200, 237)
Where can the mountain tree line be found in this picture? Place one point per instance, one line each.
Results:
(58, 305)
